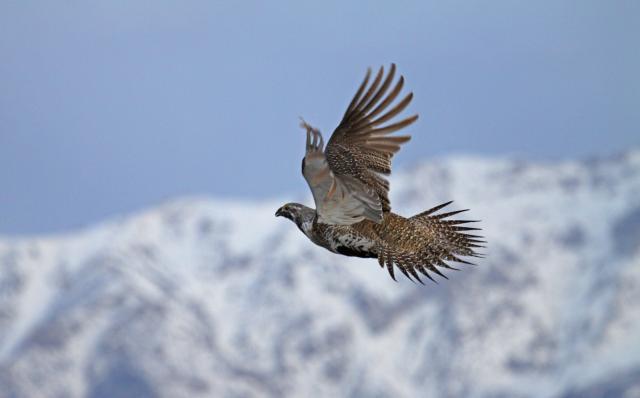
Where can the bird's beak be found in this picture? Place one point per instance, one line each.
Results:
(279, 212)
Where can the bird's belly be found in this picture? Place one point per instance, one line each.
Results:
(353, 245)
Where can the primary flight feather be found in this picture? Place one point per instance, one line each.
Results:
(347, 179)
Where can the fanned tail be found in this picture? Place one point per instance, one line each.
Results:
(439, 240)
(452, 234)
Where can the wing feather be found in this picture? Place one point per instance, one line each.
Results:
(347, 178)
(340, 200)
(360, 146)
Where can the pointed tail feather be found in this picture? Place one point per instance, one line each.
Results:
(440, 240)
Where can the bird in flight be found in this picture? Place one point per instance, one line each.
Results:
(347, 179)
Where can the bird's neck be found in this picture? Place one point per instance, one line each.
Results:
(306, 225)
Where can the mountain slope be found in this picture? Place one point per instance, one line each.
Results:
(203, 298)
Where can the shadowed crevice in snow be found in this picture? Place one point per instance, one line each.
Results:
(626, 232)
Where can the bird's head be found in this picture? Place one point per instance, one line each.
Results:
(297, 213)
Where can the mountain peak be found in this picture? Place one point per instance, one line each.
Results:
(209, 297)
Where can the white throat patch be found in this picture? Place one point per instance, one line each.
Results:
(306, 227)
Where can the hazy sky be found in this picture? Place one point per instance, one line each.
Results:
(110, 106)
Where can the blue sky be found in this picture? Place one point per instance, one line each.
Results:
(111, 106)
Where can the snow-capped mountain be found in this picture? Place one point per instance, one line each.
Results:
(210, 298)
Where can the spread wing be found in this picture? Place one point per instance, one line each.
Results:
(341, 200)
(347, 180)
(361, 147)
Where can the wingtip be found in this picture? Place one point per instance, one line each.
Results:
(304, 124)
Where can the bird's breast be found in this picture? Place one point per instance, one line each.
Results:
(345, 240)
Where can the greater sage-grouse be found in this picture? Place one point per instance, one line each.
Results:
(353, 214)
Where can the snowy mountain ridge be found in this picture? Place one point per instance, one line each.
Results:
(201, 297)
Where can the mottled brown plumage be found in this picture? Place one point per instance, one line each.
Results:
(415, 245)
(360, 145)
(352, 215)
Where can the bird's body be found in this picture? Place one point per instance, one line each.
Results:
(357, 240)
(413, 244)
(353, 214)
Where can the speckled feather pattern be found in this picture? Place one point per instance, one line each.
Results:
(352, 169)
(416, 246)
(361, 146)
